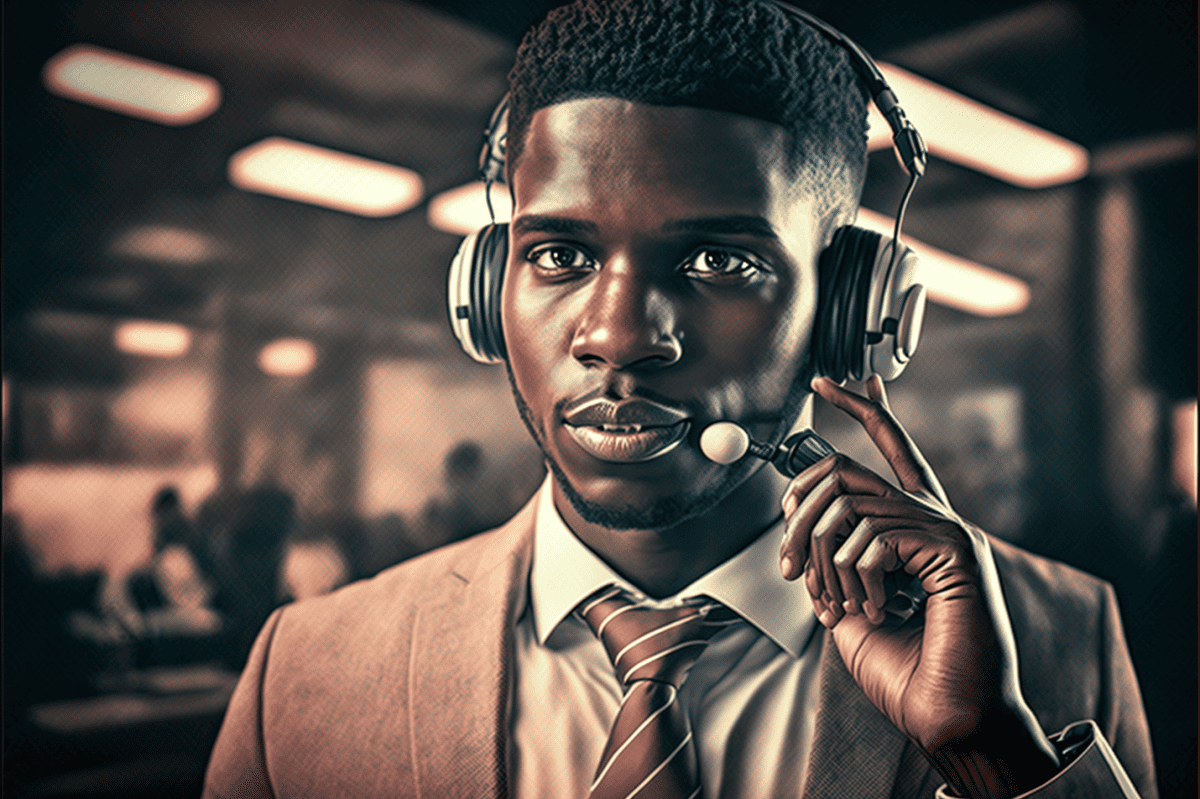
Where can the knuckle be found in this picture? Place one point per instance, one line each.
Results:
(843, 560)
(842, 504)
(841, 461)
(881, 544)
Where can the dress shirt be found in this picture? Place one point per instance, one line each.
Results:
(751, 696)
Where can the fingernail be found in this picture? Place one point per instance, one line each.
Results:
(869, 611)
(828, 619)
(850, 607)
(786, 565)
(789, 504)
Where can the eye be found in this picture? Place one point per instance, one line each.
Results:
(559, 258)
(723, 266)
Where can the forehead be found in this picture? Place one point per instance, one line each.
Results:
(587, 149)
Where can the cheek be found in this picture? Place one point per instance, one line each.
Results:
(535, 334)
(754, 351)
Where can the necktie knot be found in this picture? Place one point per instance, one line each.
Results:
(645, 643)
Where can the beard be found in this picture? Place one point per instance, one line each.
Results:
(667, 510)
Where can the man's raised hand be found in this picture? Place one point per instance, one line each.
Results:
(946, 676)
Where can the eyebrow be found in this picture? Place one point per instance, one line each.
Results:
(534, 223)
(733, 225)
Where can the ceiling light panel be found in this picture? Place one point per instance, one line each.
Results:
(164, 244)
(154, 339)
(306, 173)
(288, 357)
(955, 281)
(971, 134)
(133, 86)
(464, 209)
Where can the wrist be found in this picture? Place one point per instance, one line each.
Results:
(1001, 758)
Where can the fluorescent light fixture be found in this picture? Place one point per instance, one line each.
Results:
(955, 281)
(1183, 448)
(288, 357)
(155, 339)
(164, 244)
(315, 175)
(967, 132)
(130, 85)
(463, 209)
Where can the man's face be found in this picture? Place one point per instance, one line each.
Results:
(661, 276)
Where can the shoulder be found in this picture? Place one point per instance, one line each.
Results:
(1064, 621)
(376, 609)
(1054, 587)
(331, 677)
(332, 650)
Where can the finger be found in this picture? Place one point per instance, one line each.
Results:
(803, 483)
(812, 494)
(871, 517)
(825, 614)
(877, 393)
(834, 527)
(879, 558)
(901, 452)
(843, 515)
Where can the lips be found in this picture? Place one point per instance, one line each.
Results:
(626, 431)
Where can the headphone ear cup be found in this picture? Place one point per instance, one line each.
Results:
(473, 286)
(845, 271)
(895, 311)
(870, 307)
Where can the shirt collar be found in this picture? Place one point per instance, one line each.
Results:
(565, 572)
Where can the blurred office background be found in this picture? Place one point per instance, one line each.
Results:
(228, 380)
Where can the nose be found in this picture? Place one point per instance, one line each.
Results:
(627, 323)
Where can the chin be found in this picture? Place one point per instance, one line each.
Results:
(610, 506)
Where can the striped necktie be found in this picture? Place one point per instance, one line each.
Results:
(650, 752)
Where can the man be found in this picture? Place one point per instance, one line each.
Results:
(676, 169)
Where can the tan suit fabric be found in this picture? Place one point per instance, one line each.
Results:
(398, 686)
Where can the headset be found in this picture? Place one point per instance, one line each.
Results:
(869, 307)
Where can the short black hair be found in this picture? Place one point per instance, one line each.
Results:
(748, 58)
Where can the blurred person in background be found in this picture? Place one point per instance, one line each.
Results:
(324, 554)
(174, 591)
(481, 492)
(258, 524)
(472, 499)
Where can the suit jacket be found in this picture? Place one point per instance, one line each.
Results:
(398, 686)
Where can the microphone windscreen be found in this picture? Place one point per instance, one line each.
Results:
(724, 442)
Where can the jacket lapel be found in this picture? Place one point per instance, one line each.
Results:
(461, 664)
(855, 749)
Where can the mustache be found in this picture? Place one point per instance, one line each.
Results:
(644, 408)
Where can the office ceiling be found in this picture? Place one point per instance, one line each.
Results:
(413, 84)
